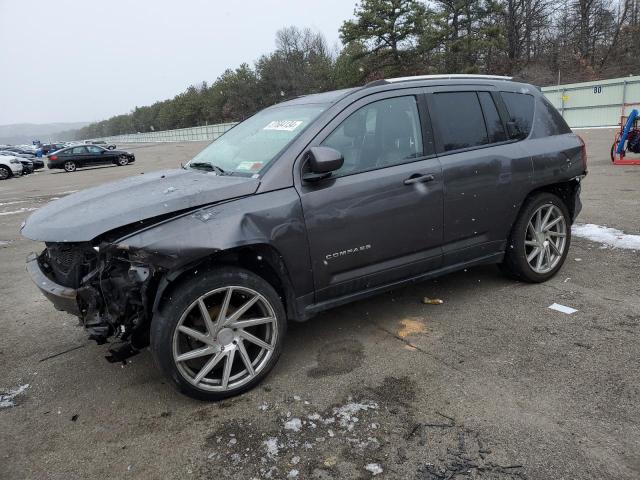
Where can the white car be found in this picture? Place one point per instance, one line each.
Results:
(9, 166)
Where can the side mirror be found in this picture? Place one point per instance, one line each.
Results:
(322, 161)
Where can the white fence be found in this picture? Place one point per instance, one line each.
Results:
(192, 134)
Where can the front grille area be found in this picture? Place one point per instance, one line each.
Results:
(69, 262)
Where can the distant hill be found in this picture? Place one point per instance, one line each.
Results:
(27, 132)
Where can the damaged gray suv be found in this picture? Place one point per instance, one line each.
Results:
(308, 205)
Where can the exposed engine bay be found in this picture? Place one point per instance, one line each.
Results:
(113, 292)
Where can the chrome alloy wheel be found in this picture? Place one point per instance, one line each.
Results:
(122, 161)
(225, 338)
(70, 166)
(546, 238)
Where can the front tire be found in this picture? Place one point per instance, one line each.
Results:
(70, 166)
(122, 161)
(540, 239)
(219, 333)
(5, 172)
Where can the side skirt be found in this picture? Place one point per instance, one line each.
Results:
(309, 310)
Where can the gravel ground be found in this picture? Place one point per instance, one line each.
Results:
(490, 384)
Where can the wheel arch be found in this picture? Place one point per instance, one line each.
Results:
(567, 191)
(261, 259)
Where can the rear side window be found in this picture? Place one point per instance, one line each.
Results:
(459, 120)
(520, 109)
(492, 119)
(548, 121)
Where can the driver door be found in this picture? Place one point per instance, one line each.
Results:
(378, 219)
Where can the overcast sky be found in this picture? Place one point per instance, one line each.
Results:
(86, 60)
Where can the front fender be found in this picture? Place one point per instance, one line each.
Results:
(273, 218)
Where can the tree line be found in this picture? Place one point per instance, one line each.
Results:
(541, 42)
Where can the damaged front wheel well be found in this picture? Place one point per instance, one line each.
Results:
(261, 259)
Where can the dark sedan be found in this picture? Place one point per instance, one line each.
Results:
(72, 158)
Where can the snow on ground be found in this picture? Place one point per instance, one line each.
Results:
(609, 237)
(6, 399)
(22, 210)
(374, 468)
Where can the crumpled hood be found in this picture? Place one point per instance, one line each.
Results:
(84, 215)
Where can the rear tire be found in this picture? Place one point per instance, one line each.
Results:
(211, 355)
(540, 239)
(70, 166)
(5, 172)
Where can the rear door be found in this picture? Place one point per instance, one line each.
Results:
(484, 172)
(379, 218)
(79, 155)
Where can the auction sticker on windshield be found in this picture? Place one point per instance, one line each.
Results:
(287, 125)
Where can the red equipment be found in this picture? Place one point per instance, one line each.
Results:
(620, 159)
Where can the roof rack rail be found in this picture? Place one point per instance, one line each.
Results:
(453, 76)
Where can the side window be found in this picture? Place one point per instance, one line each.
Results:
(547, 121)
(381, 134)
(78, 150)
(492, 119)
(459, 119)
(520, 108)
(93, 149)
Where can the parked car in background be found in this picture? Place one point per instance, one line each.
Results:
(308, 205)
(9, 166)
(72, 158)
(37, 163)
(102, 143)
(48, 148)
(18, 150)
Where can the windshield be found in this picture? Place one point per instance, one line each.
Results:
(249, 146)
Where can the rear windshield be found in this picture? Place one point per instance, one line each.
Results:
(251, 145)
(520, 109)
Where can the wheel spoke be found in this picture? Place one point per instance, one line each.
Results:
(540, 258)
(531, 229)
(552, 224)
(534, 253)
(200, 352)
(201, 337)
(531, 243)
(206, 317)
(224, 308)
(546, 218)
(245, 357)
(238, 313)
(538, 220)
(209, 366)
(227, 368)
(554, 247)
(252, 322)
(556, 234)
(253, 339)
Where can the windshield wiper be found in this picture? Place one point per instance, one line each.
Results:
(208, 167)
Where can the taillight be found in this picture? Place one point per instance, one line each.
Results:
(53, 157)
(583, 153)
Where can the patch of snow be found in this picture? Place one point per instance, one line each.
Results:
(22, 210)
(374, 468)
(12, 203)
(295, 460)
(346, 413)
(272, 446)
(297, 398)
(609, 237)
(263, 407)
(294, 424)
(293, 473)
(6, 399)
(170, 189)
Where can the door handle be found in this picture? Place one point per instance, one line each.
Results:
(417, 178)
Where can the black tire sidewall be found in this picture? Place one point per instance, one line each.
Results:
(180, 297)
(8, 170)
(515, 257)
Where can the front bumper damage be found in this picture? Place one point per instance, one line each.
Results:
(110, 293)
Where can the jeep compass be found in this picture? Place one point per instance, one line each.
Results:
(307, 205)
